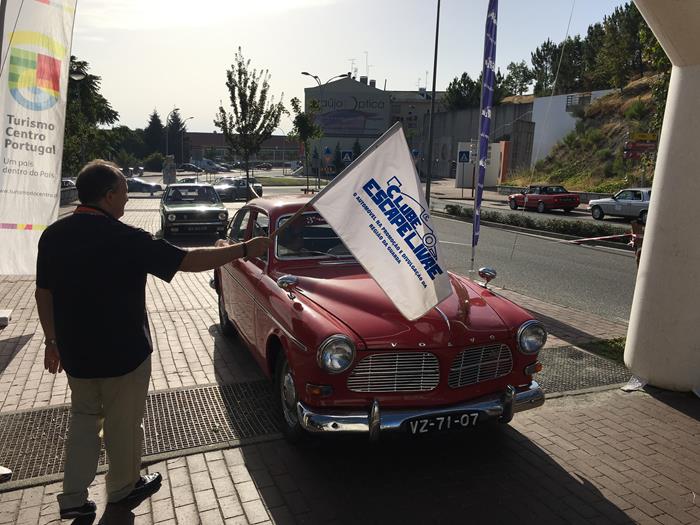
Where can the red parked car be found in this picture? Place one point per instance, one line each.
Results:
(544, 197)
(342, 357)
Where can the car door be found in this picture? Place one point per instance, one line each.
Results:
(233, 281)
(637, 203)
(623, 204)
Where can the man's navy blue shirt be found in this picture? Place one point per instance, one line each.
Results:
(96, 267)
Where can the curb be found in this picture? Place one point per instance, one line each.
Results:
(545, 233)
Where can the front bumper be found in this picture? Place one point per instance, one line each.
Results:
(495, 406)
(196, 227)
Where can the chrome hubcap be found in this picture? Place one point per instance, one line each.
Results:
(289, 397)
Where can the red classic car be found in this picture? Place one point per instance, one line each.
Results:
(342, 357)
(543, 197)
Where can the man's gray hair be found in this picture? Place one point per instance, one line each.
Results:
(96, 179)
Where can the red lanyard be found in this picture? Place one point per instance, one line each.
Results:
(90, 210)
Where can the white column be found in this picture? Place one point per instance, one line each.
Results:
(663, 341)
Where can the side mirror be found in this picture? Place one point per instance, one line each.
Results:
(287, 282)
(487, 274)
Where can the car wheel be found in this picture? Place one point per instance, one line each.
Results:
(225, 325)
(513, 205)
(286, 394)
(597, 213)
(643, 216)
(540, 207)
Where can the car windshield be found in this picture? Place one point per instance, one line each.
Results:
(191, 194)
(555, 189)
(309, 237)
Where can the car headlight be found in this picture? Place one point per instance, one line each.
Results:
(335, 355)
(171, 217)
(223, 216)
(531, 337)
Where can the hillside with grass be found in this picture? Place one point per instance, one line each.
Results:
(590, 158)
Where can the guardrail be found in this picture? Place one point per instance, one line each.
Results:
(585, 196)
(68, 195)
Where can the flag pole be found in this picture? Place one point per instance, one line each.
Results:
(429, 173)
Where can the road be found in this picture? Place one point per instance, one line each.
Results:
(592, 279)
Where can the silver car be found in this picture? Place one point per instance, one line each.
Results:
(630, 202)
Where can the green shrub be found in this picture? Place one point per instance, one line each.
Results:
(554, 225)
(571, 140)
(594, 137)
(154, 162)
(604, 154)
(636, 111)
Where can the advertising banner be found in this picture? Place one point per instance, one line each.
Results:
(378, 208)
(487, 85)
(35, 58)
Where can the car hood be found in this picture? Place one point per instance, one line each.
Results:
(607, 200)
(362, 305)
(193, 208)
(226, 185)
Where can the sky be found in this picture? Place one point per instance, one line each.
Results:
(162, 54)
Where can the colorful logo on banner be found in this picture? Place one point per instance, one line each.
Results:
(58, 5)
(35, 70)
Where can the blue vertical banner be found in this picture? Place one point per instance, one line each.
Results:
(487, 85)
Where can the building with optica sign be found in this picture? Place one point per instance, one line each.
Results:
(350, 111)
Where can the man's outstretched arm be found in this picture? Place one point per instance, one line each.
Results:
(202, 259)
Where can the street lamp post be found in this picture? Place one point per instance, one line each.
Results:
(182, 140)
(320, 87)
(167, 123)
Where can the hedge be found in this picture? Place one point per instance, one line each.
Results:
(522, 220)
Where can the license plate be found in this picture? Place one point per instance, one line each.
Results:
(197, 228)
(442, 423)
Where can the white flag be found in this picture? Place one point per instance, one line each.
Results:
(377, 207)
(35, 57)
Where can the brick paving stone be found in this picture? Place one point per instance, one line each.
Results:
(255, 511)
(206, 500)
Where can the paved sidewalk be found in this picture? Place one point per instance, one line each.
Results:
(602, 457)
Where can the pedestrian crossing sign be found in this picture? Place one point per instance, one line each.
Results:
(346, 156)
(463, 156)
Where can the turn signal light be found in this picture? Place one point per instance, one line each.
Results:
(319, 390)
(533, 368)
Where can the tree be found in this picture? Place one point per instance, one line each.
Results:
(518, 78)
(338, 159)
(305, 129)
(252, 119)
(544, 67)
(86, 109)
(175, 129)
(462, 93)
(356, 149)
(154, 134)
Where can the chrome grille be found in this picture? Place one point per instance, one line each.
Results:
(482, 363)
(396, 372)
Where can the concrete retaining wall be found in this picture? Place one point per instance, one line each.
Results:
(68, 195)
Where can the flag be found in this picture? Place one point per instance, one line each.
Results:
(378, 208)
(35, 58)
(487, 85)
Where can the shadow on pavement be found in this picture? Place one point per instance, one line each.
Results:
(10, 347)
(685, 402)
(563, 331)
(492, 475)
